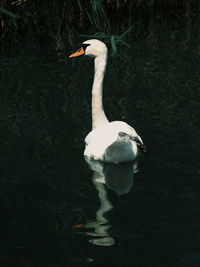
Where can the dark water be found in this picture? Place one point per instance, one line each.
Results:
(53, 212)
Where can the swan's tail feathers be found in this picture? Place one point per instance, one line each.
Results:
(139, 143)
(124, 136)
(136, 139)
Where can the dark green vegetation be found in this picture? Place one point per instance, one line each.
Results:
(61, 21)
(152, 82)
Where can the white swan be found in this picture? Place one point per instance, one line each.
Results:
(108, 141)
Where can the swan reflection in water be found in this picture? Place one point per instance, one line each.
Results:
(117, 177)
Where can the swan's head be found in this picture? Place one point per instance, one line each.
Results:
(92, 48)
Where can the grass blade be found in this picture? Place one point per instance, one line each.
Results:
(113, 44)
(125, 33)
(5, 11)
(80, 6)
(124, 43)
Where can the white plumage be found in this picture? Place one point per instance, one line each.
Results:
(108, 141)
(111, 142)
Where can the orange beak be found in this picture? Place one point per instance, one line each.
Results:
(78, 53)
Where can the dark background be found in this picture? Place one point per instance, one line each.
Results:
(152, 82)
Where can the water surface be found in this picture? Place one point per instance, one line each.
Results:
(53, 211)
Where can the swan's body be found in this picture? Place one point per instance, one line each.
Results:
(112, 142)
(108, 141)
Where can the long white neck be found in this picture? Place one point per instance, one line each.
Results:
(98, 115)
